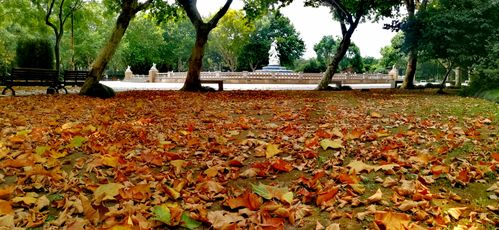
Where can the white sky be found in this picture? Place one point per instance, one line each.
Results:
(314, 23)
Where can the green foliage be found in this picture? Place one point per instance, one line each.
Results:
(309, 66)
(268, 28)
(393, 54)
(35, 53)
(230, 36)
(179, 36)
(326, 49)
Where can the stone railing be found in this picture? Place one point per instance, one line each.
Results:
(263, 77)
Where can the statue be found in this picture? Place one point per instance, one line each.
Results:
(274, 54)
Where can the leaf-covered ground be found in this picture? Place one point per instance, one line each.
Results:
(249, 160)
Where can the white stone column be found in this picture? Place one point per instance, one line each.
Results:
(153, 73)
(128, 74)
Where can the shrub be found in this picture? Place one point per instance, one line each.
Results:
(35, 53)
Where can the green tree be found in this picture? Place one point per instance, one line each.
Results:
(393, 54)
(179, 36)
(349, 13)
(143, 44)
(457, 32)
(413, 35)
(230, 36)
(269, 27)
(57, 13)
(325, 51)
(192, 81)
(128, 10)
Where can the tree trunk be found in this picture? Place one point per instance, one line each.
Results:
(410, 73)
(193, 81)
(442, 86)
(335, 62)
(99, 65)
(58, 53)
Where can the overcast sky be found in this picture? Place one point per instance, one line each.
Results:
(314, 23)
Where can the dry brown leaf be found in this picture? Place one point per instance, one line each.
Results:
(376, 197)
(456, 212)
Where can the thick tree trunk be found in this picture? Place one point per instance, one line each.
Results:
(410, 72)
(99, 65)
(335, 62)
(193, 81)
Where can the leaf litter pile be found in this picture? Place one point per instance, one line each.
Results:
(249, 160)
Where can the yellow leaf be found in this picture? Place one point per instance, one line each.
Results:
(178, 164)
(212, 171)
(334, 144)
(122, 227)
(272, 150)
(456, 212)
(359, 166)
(111, 161)
(107, 192)
(376, 115)
(376, 197)
(25, 199)
(56, 154)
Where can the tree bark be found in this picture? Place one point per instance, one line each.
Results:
(413, 53)
(442, 86)
(410, 72)
(128, 10)
(335, 62)
(193, 81)
(340, 53)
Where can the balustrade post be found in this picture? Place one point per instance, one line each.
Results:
(128, 73)
(153, 73)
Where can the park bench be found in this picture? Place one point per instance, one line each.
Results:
(395, 83)
(337, 83)
(31, 77)
(73, 78)
(219, 82)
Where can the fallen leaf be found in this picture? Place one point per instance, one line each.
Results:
(221, 219)
(269, 192)
(246, 200)
(272, 150)
(334, 144)
(376, 197)
(392, 220)
(107, 192)
(456, 212)
(359, 166)
(6, 208)
(326, 195)
(162, 214)
(188, 222)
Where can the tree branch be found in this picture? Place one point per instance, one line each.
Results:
(192, 12)
(213, 22)
(144, 5)
(47, 17)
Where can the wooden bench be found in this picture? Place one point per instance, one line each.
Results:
(219, 82)
(31, 77)
(73, 78)
(337, 83)
(396, 82)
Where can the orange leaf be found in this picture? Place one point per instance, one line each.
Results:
(325, 196)
(5, 207)
(5, 192)
(463, 176)
(392, 220)
(495, 156)
(439, 169)
(348, 179)
(247, 200)
(282, 165)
